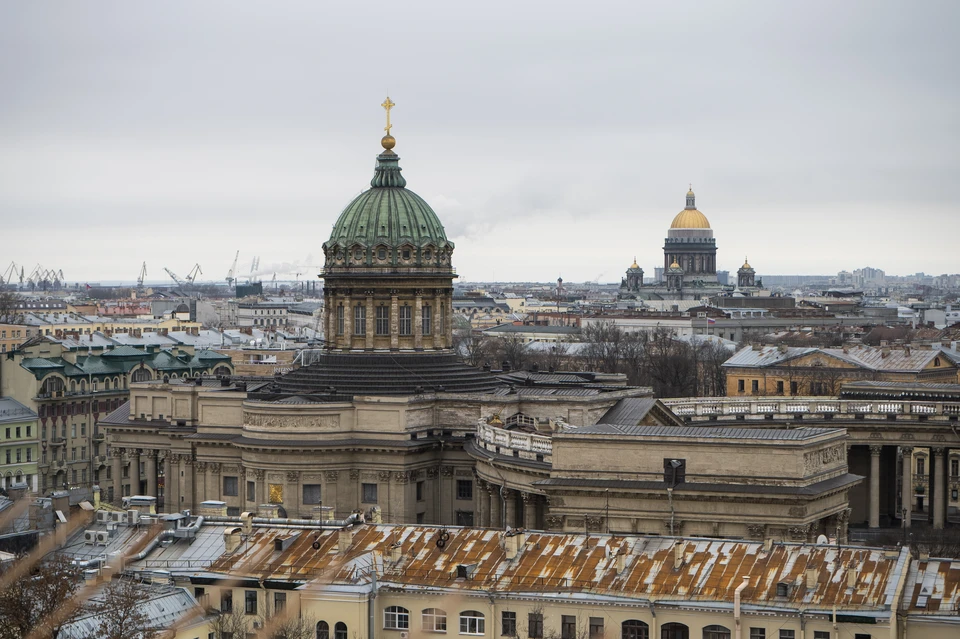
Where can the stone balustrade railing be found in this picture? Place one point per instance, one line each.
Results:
(714, 407)
(518, 444)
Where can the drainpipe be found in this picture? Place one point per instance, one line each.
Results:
(653, 614)
(372, 604)
(736, 606)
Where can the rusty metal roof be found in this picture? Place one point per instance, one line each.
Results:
(709, 569)
(933, 587)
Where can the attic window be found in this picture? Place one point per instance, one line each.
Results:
(428, 254)
(406, 254)
(783, 589)
(382, 254)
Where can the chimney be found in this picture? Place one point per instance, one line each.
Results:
(246, 521)
(212, 508)
(344, 540)
(884, 352)
(782, 348)
(376, 516)
(513, 543)
(231, 539)
(852, 576)
(395, 552)
(677, 555)
(621, 562)
(812, 578)
(757, 346)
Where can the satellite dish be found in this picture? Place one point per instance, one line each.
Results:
(822, 539)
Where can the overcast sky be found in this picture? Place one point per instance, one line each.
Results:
(552, 138)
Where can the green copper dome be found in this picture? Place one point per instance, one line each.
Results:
(388, 225)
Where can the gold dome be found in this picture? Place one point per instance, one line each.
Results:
(674, 265)
(634, 265)
(746, 264)
(690, 219)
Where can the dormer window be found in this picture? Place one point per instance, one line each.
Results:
(406, 254)
(428, 254)
(357, 254)
(381, 254)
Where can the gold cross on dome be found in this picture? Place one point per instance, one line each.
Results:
(387, 104)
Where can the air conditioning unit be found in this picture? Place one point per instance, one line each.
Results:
(103, 537)
(103, 516)
(257, 625)
(89, 536)
(404, 635)
(121, 518)
(133, 517)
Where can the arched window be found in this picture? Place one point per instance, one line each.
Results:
(471, 622)
(434, 620)
(221, 371)
(323, 630)
(106, 384)
(83, 385)
(51, 385)
(936, 361)
(674, 631)
(141, 375)
(340, 630)
(634, 629)
(396, 618)
(73, 385)
(716, 632)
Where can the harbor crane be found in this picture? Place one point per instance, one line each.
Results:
(192, 275)
(142, 276)
(173, 276)
(233, 270)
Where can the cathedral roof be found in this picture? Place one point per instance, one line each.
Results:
(388, 213)
(690, 217)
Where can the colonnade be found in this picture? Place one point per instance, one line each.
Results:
(499, 507)
(935, 479)
(145, 483)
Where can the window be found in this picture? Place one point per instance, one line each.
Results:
(471, 623)
(434, 620)
(369, 495)
(199, 592)
(596, 627)
(383, 320)
(29, 428)
(381, 253)
(780, 387)
(19, 455)
(954, 467)
(716, 632)
(396, 618)
(83, 428)
(226, 600)
(419, 491)
(359, 319)
(464, 518)
(861, 635)
(311, 494)
(251, 491)
(406, 320)
(464, 489)
(508, 624)
(250, 602)
(787, 634)
(323, 630)
(425, 317)
(754, 386)
(340, 320)
(634, 629)
(794, 388)
(758, 633)
(406, 254)
(921, 466)
(821, 634)
(231, 486)
(535, 626)
(783, 589)
(568, 627)
(18, 432)
(73, 454)
(279, 602)
(674, 471)
(29, 454)
(340, 630)
(740, 383)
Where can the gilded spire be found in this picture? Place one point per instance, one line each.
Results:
(388, 141)
(691, 199)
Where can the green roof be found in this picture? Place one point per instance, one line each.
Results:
(387, 215)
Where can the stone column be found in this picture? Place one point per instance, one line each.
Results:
(940, 486)
(394, 321)
(117, 470)
(874, 519)
(418, 320)
(199, 482)
(189, 483)
(347, 323)
(134, 455)
(291, 495)
(496, 506)
(171, 483)
(906, 485)
(511, 502)
(215, 487)
(152, 474)
(439, 327)
(529, 511)
(261, 494)
(370, 322)
(482, 506)
(330, 320)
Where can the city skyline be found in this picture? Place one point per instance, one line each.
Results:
(813, 139)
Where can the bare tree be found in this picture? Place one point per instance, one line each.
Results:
(120, 613)
(230, 625)
(9, 313)
(291, 627)
(39, 602)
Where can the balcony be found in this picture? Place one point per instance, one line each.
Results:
(99, 437)
(58, 441)
(100, 461)
(58, 466)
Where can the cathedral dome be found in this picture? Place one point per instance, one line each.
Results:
(690, 217)
(388, 225)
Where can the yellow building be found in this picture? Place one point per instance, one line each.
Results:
(788, 370)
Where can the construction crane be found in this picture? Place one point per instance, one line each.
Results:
(9, 275)
(143, 274)
(173, 276)
(192, 275)
(233, 269)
